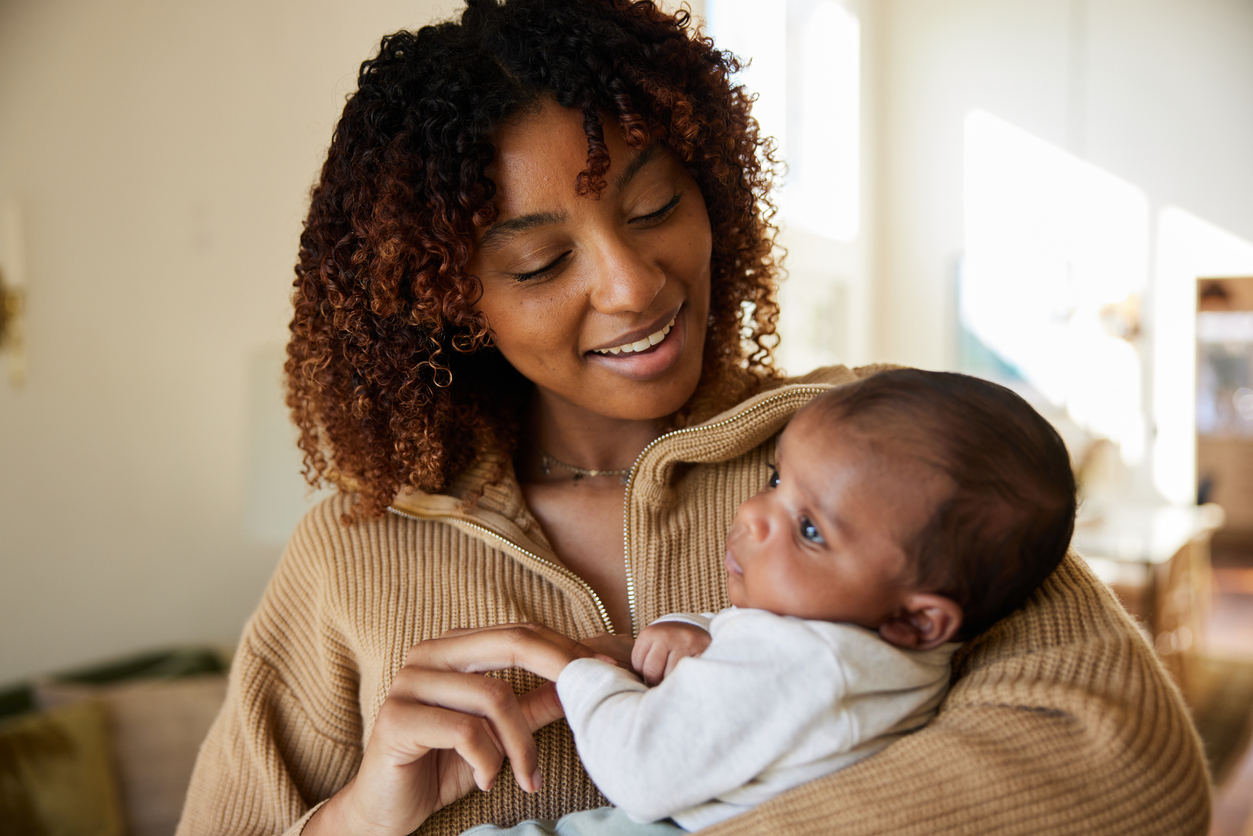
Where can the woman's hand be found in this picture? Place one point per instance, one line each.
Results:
(660, 647)
(616, 646)
(445, 728)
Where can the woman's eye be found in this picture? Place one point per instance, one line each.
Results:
(543, 271)
(660, 215)
(809, 531)
(772, 481)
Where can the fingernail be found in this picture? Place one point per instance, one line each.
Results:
(537, 780)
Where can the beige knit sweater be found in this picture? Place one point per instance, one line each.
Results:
(1060, 719)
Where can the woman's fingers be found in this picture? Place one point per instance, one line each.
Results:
(617, 646)
(479, 701)
(410, 730)
(445, 728)
(444, 672)
(440, 701)
(541, 706)
(532, 647)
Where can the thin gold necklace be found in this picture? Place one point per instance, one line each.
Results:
(548, 459)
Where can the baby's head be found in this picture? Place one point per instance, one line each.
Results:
(924, 505)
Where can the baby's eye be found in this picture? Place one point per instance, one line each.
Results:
(772, 481)
(810, 531)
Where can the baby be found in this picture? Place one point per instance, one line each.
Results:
(904, 513)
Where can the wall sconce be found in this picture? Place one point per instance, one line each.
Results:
(12, 291)
(12, 330)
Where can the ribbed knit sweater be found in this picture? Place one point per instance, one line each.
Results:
(1059, 720)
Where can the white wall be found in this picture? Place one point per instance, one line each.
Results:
(1157, 92)
(161, 155)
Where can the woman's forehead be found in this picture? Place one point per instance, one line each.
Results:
(541, 153)
(539, 135)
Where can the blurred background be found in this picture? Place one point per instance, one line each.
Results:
(1052, 193)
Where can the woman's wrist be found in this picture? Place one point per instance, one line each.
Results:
(332, 817)
(325, 821)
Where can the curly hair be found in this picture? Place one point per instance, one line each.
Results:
(391, 375)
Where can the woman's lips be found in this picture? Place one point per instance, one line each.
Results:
(642, 344)
(658, 358)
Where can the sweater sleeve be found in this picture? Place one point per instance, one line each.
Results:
(702, 620)
(1060, 721)
(706, 729)
(288, 735)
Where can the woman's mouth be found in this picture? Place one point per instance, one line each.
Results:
(642, 344)
(651, 356)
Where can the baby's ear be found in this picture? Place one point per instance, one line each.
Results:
(923, 621)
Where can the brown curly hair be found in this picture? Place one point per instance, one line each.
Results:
(391, 376)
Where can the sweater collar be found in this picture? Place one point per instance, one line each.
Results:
(720, 438)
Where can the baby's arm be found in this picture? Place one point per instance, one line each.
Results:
(709, 727)
(662, 644)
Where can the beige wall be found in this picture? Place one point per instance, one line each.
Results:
(161, 155)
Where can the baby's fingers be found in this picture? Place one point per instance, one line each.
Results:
(655, 664)
(673, 659)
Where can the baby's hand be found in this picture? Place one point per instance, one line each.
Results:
(660, 647)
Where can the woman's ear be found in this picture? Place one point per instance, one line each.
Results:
(923, 621)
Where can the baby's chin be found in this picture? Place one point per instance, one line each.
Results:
(735, 591)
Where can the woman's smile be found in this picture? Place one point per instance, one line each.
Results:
(629, 345)
(648, 356)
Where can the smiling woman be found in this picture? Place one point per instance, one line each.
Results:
(530, 346)
(479, 155)
(602, 304)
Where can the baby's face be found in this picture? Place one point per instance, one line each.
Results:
(823, 539)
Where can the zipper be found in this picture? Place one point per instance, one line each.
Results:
(626, 515)
(539, 561)
(626, 509)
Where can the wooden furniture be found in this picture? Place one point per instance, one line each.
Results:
(1157, 560)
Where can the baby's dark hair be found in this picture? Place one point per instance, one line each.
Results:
(1009, 518)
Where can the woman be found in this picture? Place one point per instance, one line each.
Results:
(537, 266)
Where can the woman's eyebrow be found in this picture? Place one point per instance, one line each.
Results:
(643, 158)
(497, 235)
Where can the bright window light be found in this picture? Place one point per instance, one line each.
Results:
(758, 35)
(1188, 248)
(1056, 262)
(822, 188)
(806, 71)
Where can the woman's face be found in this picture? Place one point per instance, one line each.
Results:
(601, 302)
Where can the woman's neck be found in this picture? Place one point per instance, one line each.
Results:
(581, 439)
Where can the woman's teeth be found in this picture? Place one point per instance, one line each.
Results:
(639, 345)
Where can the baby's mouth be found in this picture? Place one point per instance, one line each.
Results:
(642, 344)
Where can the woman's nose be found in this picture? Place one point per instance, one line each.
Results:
(627, 280)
